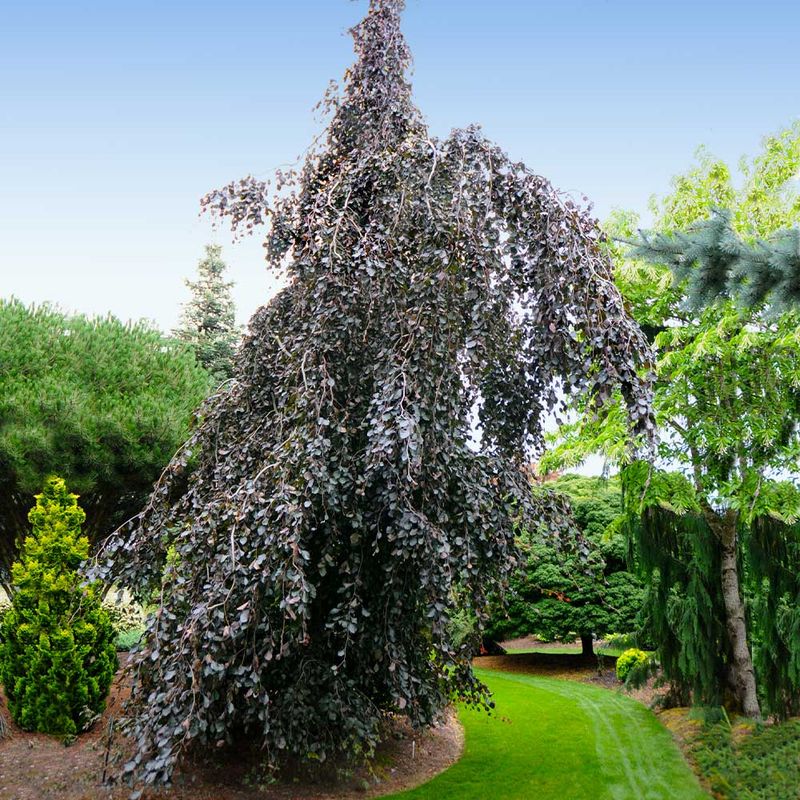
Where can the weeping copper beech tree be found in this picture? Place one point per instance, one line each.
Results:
(364, 465)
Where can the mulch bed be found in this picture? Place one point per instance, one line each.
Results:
(566, 666)
(39, 767)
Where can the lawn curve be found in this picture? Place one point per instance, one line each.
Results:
(562, 740)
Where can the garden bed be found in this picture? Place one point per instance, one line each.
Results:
(39, 767)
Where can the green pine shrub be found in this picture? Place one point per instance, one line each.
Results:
(758, 764)
(57, 655)
(129, 639)
(630, 660)
(621, 641)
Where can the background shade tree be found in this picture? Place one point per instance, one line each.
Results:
(557, 593)
(57, 653)
(336, 499)
(103, 403)
(727, 404)
(208, 320)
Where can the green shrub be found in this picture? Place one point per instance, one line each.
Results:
(57, 655)
(463, 626)
(629, 661)
(763, 764)
(129, 639)
(621, 641)
(127, 619)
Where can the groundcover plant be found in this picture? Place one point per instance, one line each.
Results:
(363, 467)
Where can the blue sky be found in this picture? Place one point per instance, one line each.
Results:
(116, 117)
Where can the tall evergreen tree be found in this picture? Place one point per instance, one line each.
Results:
(329, 506)
(208, 321)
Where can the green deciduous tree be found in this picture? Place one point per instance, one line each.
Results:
(742, 245)
(208, 322)
(338, 500)
(558, 592)
(57, 654)
(102, 403)
(728, 405)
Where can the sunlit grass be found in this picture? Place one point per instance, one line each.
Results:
(562, 740)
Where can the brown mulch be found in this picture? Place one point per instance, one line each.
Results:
(566, 666)
(532, 643)
(39, 767)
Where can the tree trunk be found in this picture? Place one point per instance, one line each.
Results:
(742, 672)
(587, 644)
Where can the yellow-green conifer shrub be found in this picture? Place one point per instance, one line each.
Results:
(57, 654)
(630, 660)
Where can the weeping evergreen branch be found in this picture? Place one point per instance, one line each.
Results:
(678, 559)
(774, 555)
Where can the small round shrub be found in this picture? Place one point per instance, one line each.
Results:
(57, 655)
(631, 659)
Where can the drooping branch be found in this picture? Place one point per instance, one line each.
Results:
(311, 535)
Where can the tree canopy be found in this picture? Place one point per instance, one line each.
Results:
(102, 403)
(727, 401)
(558, 592)
(208, 321)
(331, 503)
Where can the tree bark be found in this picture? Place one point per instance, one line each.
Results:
(742, 673)
(587, 644)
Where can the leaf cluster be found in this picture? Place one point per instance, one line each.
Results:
(714, 263)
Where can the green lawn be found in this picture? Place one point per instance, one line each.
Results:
(562, 740)
(611, 652)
